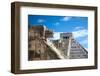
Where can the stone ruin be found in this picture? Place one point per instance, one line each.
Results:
(41, 48)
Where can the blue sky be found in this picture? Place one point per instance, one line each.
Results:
(77, 25)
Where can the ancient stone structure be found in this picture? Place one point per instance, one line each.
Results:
(38, 48)
(41, 48)
(70, 48)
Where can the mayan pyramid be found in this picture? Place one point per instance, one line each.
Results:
(69, 47)
(77, 51)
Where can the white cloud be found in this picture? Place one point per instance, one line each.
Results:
(80, 33)
(84, 41)
(56, 35)
(66, 18)
(77, 28)
(40, 20)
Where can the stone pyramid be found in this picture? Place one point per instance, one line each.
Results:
(77, 51)
(73, 48)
